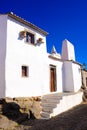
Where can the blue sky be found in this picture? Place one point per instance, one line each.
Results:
(63, 19)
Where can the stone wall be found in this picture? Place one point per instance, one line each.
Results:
(84, 76)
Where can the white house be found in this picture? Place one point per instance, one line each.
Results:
(26, 69)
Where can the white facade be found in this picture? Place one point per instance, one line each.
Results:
(68, 52)
(15, 52)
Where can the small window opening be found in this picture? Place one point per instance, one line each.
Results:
(24, 71)
(29, 38)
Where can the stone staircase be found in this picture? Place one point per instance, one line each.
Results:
(48, 103)
(56, 103)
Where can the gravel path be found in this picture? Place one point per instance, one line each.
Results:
(74, 119)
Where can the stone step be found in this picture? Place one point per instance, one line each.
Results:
(47, 109)
(52, 105)
(50, 100)
(57, 94)
(48, 103)
(48, 95)
(60, 94)
(52, 97)
(44, 118)
(45, 115)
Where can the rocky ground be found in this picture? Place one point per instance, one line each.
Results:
(15, 111)
(74, 119)
(24, 114)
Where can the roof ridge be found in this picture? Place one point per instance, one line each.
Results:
(14, 16)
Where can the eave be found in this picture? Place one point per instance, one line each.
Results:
(21, 20)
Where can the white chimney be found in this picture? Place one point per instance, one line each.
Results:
(68, 52)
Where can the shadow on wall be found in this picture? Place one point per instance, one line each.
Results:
(12, 111)
(63, 78)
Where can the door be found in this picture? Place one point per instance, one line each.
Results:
(52, 78)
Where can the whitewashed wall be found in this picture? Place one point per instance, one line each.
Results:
(77, 77)
(3, 33)
(72, 80)
(20, 53)
(68, 84)
(15, 52)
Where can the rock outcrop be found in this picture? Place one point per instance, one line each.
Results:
(19, 109)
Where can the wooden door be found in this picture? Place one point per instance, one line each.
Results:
(52, 79)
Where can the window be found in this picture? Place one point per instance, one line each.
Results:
(29, 37)
(24, 71)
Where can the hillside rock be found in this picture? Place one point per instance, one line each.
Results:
(19, 109)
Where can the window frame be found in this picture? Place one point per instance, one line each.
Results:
(32, 35)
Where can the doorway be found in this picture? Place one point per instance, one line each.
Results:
(52, 78)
